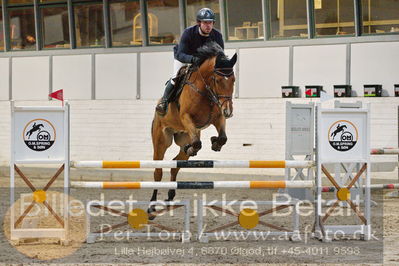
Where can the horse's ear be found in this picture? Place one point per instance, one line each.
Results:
(233, 60)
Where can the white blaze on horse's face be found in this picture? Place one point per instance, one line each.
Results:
(225, 89)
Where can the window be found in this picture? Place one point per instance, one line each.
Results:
(1, 30)
(192, 7)
(89, 25)
(334, 17)
(49, 1)
(55, 27)
(125, 23)
(380, 16)
(19, 2)
(288, 18)
(22, 28)
(163, 21)
(244, 19)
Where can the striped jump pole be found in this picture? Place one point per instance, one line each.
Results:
(373, 187)
(384, 151)
(193, 164)
(194, 185)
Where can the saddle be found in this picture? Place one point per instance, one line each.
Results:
(180, 80)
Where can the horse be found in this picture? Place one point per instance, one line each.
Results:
(205, 99)
(337, 130)
(33, 129)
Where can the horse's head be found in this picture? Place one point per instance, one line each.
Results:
(218, 71)
(223, 83)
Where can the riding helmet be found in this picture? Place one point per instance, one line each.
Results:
(205, 14)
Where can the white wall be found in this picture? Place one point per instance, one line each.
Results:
(73, 74)
(4, 78)
(263, 71)
(111, 129)
(375, 63)
(230, 52)
(156, 69)
(319, 65)
(116, 76)
(30, 78)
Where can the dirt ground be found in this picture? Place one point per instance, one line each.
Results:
(382, 249)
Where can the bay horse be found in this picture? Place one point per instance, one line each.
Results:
(206, 99)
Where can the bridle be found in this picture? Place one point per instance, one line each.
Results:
(210, 93)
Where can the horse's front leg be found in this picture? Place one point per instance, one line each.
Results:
(221, 139)
(194, 133)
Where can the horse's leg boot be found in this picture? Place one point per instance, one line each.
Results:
(162, 106)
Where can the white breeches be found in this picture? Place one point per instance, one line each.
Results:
(176, 67)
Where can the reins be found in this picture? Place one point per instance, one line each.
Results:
(210, 93)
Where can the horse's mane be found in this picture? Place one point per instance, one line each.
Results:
(209, 50)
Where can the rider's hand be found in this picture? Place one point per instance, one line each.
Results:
(195, 60)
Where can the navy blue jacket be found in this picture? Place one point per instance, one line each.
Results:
(191, 40)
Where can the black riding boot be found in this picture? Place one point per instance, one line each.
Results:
(162, 106)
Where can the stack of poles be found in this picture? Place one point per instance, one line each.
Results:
(211, 164)
(378, 151)
(386, 151)
(372, 187)
(194, 164)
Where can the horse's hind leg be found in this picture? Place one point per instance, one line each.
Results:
(174, 171)
(161, 141)
(181, 139)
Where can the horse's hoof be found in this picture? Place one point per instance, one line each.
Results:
(197, 145)
(150, 210)
(222, 141)
(191, 152)
(214, 139)
(186, 147)
(216, 146)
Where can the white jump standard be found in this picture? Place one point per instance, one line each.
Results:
(39, 135)
(343, 137)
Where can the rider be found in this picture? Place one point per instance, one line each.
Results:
(192, 38)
